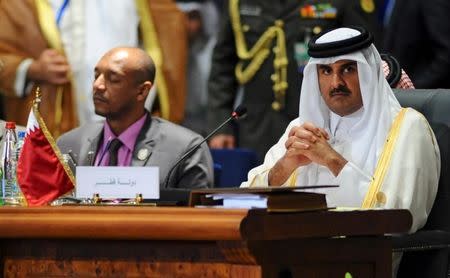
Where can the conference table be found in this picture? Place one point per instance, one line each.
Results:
(145, 241)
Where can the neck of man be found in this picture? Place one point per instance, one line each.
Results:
(120, 124)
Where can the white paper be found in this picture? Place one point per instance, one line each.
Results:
(245, 203)
(117, 182)
(235, 200)
(236, 196)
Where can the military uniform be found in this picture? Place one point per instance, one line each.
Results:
(277, 31)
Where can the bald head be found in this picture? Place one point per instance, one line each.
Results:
(134, 61)
(123, 79)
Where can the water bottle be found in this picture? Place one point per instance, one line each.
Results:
(9, 160)
(20, 141)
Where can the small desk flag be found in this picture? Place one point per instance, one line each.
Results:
(42, 174)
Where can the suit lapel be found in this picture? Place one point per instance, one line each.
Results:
(145, 143)
(142, 152)
(89, 148)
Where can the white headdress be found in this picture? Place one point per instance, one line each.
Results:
(380, 106)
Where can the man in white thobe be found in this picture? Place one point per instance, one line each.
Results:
(352, 132)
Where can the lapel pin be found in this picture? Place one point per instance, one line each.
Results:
(143, 154)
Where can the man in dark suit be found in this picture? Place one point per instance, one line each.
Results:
(130, 136)
(418, 35)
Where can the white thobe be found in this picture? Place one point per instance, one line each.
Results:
(410, 183)
(88, 30)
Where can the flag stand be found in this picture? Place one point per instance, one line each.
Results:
(97, 200)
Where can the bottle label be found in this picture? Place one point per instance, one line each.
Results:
(10, 194)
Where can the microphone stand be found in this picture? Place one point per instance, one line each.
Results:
(188, 153)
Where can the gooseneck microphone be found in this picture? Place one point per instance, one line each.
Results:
(238, 113)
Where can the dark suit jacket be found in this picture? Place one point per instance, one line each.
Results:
(418, 35)
(165, 143)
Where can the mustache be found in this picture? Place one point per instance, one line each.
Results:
(341, 89)
(98, 96)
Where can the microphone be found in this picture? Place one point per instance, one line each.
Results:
(238, 113)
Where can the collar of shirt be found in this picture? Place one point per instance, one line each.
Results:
(342, 125)
(127, 137)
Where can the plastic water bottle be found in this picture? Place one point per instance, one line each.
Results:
(9, 160)
(20, 141)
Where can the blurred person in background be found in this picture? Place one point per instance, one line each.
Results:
(417, 33)
(202, 28)
(56, 43)
(395, 75)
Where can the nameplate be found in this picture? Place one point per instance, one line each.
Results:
(117, 182)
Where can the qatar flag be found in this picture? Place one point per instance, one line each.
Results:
(42, 174)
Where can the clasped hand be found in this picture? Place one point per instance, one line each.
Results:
(308, 143)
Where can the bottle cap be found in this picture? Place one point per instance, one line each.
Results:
(10, 125)
(21, 134)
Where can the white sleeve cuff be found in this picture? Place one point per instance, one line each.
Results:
(257, 177)
(21, 77)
